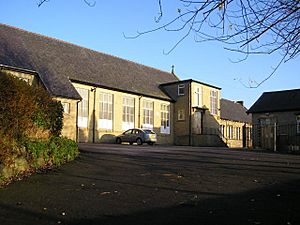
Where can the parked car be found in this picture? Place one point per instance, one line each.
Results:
(137, 135)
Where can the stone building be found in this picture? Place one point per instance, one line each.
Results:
(104, 95)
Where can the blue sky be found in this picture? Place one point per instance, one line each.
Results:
(101, 28)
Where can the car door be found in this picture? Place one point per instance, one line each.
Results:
(127, 136)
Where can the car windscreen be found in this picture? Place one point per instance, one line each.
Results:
(149, 131)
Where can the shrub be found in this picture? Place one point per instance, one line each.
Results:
(17, 107)
(30, 126)
(54, 151)
(23, 108)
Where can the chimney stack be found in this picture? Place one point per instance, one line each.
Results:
(240, 102)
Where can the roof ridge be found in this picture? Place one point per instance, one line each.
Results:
(280, 91)
(82, 47)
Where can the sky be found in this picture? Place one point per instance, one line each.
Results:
(103, 28)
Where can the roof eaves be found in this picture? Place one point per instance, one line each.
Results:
(121, 90)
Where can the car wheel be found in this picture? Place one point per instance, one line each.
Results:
(118, 141)
(139, 141)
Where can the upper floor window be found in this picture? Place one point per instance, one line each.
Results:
(128, 113)
(83, 107)
(198, 96)
(181, 88)
(105, 110)
(165, 119)
(214, 102)
(148, 114)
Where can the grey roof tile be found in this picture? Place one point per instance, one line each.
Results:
(277, 101)
(234, 111)
(58, 62)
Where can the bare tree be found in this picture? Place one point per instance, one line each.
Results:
(249, 27)
(244, 26)
(91, 4)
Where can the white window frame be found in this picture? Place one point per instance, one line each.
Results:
(230, 132)
(105, 120)
(198, 96)
(66, 107)
(222, 130)
(148, 114)
(238, 133)
(180, 115)
(214, 102)
(128, 113)
(165, 118)
(83, 108)
(181, 88)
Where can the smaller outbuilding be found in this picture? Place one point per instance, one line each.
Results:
(235, 124)
(276, 120)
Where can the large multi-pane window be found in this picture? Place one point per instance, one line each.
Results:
(105, 110)
(83, 108)
(148, 114)
(214, 102)
(128, 113)
(165, 118)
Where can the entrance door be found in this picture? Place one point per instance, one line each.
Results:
(197, 120)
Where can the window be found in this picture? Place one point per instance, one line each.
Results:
(298, 124)
(229, 132)
(128, 113)
(83, 108)
(214, 102)
(198, 96)
(238, 133)
(181, 115)
(66, 107)
(105, 111)
(25, 79)
(165, 119)
(222, 130)
(181, 89)
(147, 114)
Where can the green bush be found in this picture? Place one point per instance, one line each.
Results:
(24, 107)
(30, 127)
(54, 151)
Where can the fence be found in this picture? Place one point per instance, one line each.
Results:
(277, 137)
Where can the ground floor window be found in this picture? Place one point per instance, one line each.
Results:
(222, 130)
(238, 133)
(229, 132)
(83, 108)
(165, 119)
(298, 124)
(147, 114)
(128, 113)
(105, 111)
(66, 107)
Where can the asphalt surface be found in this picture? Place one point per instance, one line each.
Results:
(123, 184)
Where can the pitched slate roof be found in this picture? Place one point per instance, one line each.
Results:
(277, 101)
(234, 111)
(58, 62)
